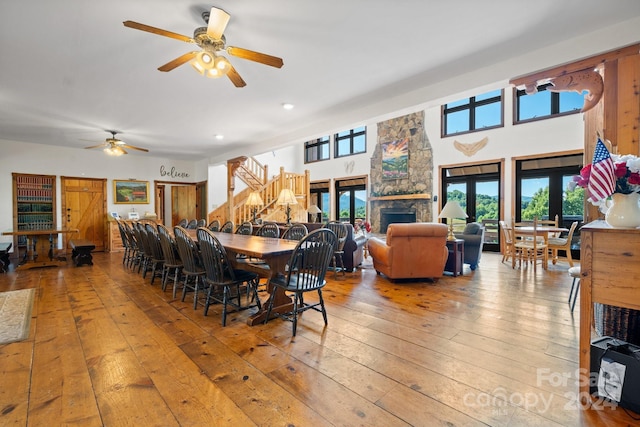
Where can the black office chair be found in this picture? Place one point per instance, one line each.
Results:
(307, 268)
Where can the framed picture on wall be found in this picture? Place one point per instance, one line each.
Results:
(130, 191)
(395, 159)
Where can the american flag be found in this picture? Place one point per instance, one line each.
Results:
(602, 182)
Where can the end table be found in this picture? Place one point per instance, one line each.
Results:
(455, 261)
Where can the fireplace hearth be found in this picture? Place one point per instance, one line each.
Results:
(395, 215)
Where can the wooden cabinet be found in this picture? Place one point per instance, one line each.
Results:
(610, 271)
(34, 206)
(114, 241)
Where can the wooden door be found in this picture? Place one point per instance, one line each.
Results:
(159, 194)
(183, 203)
(201, 200)
(83, 207)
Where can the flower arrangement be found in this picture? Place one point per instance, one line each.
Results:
(362, 225)
(626, 171)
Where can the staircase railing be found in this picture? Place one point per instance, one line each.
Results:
(269, 191)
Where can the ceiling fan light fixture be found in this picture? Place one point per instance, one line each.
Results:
(222, 64)
(203, 62)
(218, 20)
(213, 73)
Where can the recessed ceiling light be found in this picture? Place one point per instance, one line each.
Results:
(287, 106)
(219, 137)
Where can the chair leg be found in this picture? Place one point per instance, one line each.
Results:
(324, 312)
(575, 295)
(295, 314)
(269, 307)
(225, 298)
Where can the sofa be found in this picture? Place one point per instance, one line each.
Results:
(473, 236)
(411, 251)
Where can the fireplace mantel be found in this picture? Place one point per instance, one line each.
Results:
(419, 196)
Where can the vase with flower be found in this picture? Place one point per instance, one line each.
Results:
(623, 209)
(362, 226)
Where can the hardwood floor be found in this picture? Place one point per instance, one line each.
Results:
(494, 347)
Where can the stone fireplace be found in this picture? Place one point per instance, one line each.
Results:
(407, 199)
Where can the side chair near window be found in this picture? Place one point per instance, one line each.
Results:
(214, 225)
(340, 230)
(192, 270)
(562, 244)
(507, 237)
(530, 249)
(306, 273)
(227, 227)
(223, 281)
(172, 262)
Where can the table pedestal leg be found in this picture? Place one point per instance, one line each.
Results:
(281, 303)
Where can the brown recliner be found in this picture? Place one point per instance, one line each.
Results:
(412, 250)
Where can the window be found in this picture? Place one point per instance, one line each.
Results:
(477, 190)
(472, 114)
(320, 197)
(350, 142)
(351, 199)
(545, 104)
(316, 150)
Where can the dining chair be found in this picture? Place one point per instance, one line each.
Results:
(192, 269)
(223, 281)
(308, 265)
(296, 232)
(136, 250)
(201, 223)
(126, 244)
(507, 237)
(245, 228)
(172, 262)
(562, 244)
(227, 227)
(269, 229)
(550, 223)
(145, 249)
(214, 225)
(340, 231)
(183, 222)
(529, 249)
(574, 272)
(157, 256)
(192, 225)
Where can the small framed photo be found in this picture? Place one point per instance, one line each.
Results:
(130, 191)
(115, 215)
(134, 216)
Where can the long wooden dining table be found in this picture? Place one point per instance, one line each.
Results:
(273, 251)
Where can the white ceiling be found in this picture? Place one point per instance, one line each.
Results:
(70, 70)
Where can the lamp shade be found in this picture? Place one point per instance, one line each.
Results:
(314, 210)
(286, 197)
(255, 199)
(452, 210)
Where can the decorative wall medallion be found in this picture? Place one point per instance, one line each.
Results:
(471, 148)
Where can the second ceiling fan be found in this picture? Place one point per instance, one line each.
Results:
(211, 40)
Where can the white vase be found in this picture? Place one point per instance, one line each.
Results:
(624, 212)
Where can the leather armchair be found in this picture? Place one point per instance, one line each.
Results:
(412, 250)
(473, 236)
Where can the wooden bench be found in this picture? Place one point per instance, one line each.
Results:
(81, 251)
(4, 256)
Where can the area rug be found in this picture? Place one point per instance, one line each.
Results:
(15, 315)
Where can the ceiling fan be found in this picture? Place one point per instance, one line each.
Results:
(116, 147)
(212, 42)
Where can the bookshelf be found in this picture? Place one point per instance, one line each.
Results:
(34, 205)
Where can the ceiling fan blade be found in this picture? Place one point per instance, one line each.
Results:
(235, 77)
(131, 147)
(218, 20)
(262, 58)
(178, 61)
(96, 146)
(158, 31)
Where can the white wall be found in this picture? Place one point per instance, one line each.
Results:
(23, 157)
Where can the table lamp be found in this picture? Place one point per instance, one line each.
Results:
(254, 201)
(452, 210)
(286, 198)
(314, 210)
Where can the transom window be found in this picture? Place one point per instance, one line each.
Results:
(316, 150)
(545, 104)
(350, 142)
(479, 112)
